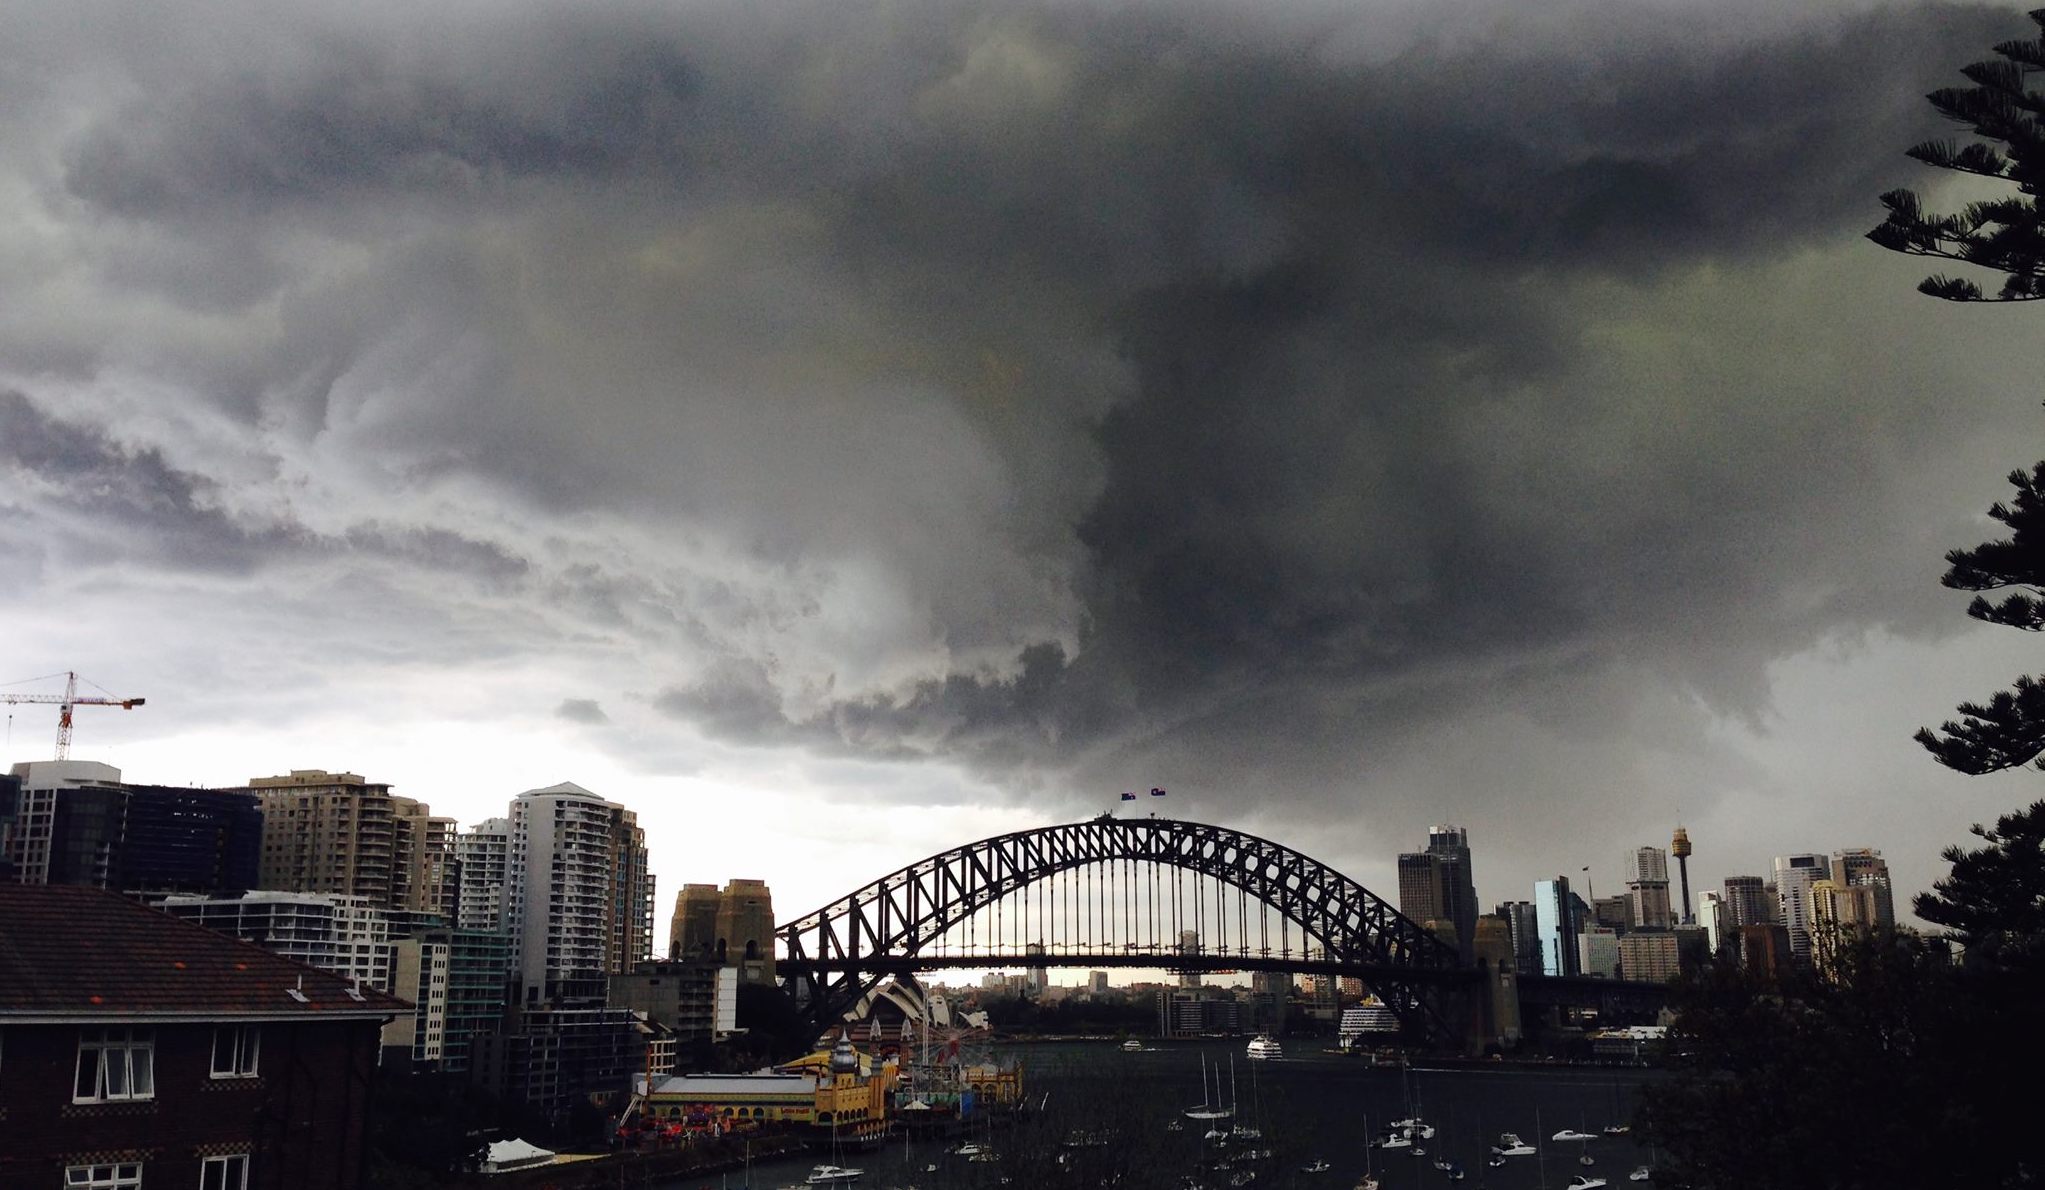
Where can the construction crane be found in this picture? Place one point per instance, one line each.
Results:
(65, 702)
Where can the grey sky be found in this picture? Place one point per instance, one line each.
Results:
(941, 416)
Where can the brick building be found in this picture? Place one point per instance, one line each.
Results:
(137, 1049)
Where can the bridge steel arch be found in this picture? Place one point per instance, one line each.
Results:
(834, 956)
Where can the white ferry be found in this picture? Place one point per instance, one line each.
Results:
(1265, 1047)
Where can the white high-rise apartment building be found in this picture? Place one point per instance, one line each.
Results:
(1794, 875)
(484, 856)
(563, 897)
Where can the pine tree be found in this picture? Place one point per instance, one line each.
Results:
(2003, 234)
(2008, 730)
(1993, 902)
(2006, 235)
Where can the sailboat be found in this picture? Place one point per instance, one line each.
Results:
(1367, 1182)
(1210, 1107)
(1243, 1131)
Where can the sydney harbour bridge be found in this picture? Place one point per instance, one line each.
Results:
(1155, 893)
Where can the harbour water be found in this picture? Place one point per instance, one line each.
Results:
(1310, 1106)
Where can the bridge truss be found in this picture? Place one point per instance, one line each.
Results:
(1121, 892)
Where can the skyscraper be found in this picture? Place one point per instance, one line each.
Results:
(1458, 882)
(629, 912)
(1839, 911)
(1714, 917)
(563, 905)
(1647, 887)
(1557, 924)
(41, 782)
(1524, 928)
(329, 833)
(1748, 902)
(1421, 895)
(1857, 867)
(1436, 884)
(483, 862)
(1794, 875)
(423, 863)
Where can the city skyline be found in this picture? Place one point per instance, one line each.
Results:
(809, 422)
(482, 848)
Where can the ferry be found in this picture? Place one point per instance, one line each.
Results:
(1132, 1046)
(1265, 1047)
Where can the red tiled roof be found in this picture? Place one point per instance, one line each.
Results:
(69, 951)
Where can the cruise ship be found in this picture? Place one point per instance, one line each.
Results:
(1265, 1047)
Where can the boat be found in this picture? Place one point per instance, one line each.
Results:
(1132, 1046)
(1414, 1126)
(1210, 1108)
(833, 1175)
(1641, 1173)
(1264, 1048)
(1616, 1129)
(971, 1149)
(1586, 1159)
(1573, 1134)
(1317, 1165)
(1585, 1182)
(1453, 1170)
(1510, 1145)
(1367, 1182)
(1175, 1126)
(1394, 1140)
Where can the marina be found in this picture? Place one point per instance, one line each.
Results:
(1096, 1120)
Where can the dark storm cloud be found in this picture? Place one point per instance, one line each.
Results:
(155, 510)
(1069, 387)
(581, 710)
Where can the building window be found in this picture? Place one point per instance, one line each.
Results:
(114, 1064)
(124, 1176)
(225, 1173)
(234, 1050)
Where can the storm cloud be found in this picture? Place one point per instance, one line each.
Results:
(1319, 402)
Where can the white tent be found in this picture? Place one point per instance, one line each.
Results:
(514, 1154)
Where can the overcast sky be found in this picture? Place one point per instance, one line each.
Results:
(839, 430)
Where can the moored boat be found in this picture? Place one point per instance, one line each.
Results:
(833, 1175)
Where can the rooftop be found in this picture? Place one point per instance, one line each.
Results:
(80, 953)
